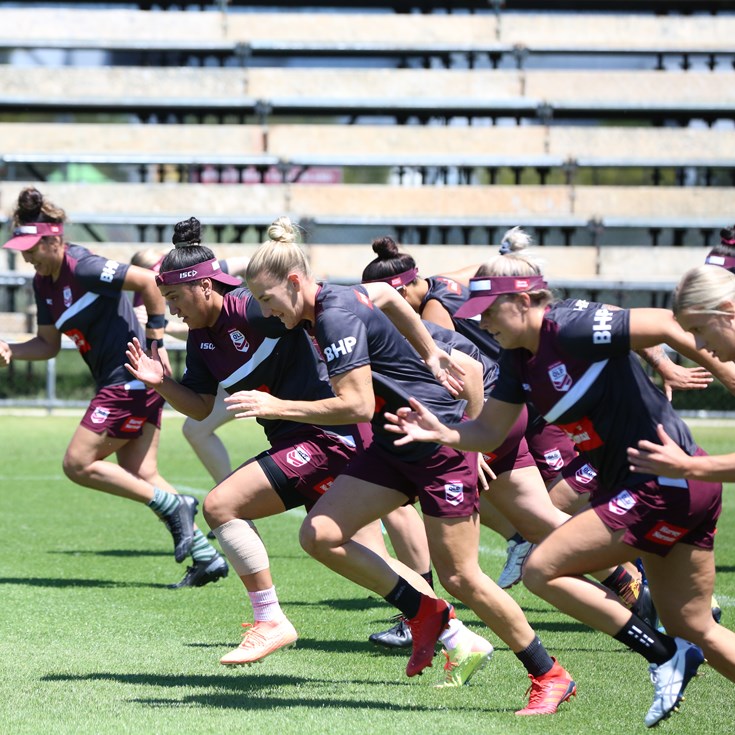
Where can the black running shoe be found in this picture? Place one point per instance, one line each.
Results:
(203, 572)
(399, 636)
(644, 607)
(180, 522)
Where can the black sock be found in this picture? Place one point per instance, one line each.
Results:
(655, 647)
(429, 577)
(406, 598)
(621, 583)
(617, 580)
(535, 658)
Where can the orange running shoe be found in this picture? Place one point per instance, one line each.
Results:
(549, 691)
(426, 627)
(260, 639)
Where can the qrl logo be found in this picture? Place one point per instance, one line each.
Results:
(560, 378)
(99, 415)
(238, 339)
(601, 323)
(108, 272)
(298, 456)
(621, 503)
(554, 459)
(585, 474)
(336, 349)
(454, 493)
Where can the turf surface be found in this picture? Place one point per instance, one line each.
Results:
(93, 642)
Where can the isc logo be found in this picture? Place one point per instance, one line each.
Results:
(108, 272)
(343, 347)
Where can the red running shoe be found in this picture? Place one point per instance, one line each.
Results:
(426, 627)
(549, 691)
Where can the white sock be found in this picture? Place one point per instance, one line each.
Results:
(450, 638)
(265, 605)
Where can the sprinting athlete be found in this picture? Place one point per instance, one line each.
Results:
(573, 361)
(80, 295)
(232, 345)
(372, 368)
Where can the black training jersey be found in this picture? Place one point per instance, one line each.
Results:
(450, 340)
(451, 295)
(351, 332)
(246, 351)
(585, 380)
(86, 304)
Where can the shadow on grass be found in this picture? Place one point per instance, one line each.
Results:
(246, 692)
(124, 553)
(724, 568)
(314, 644)
(347, 605)
(224, 701)
(48, 582)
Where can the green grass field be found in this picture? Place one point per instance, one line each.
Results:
(93, 642)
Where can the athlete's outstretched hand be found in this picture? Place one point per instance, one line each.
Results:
(6, 354)
(253, 404)
(416, 422)
(446, 371)
(667, 459)
(150, 370)
(678, 377)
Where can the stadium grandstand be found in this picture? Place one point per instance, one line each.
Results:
(606, 129)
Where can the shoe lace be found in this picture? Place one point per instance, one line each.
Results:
(252, 637)
(537, 691)
(449, 665)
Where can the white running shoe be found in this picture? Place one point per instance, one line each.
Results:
(260, 639)
(516, 555)
(670, 678)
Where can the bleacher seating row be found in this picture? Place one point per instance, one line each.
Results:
(398, 94)
(24, 146)
(418, 214)
(248, 36)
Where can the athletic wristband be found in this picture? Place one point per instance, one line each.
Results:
(150, 342)
(156, 321)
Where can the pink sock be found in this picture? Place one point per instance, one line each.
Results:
(265, 605)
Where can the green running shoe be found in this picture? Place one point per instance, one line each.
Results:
(462, 664)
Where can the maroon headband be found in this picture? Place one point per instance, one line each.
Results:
(28, 235)
(398, 280)
(724, 261)
(206, 269)
(485, 289)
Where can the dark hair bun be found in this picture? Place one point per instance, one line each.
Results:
(30, 201)
(187, 232)
(385, 248)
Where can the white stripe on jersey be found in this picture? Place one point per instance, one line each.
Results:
(577, 391)
(259, 356)
(86, 300)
